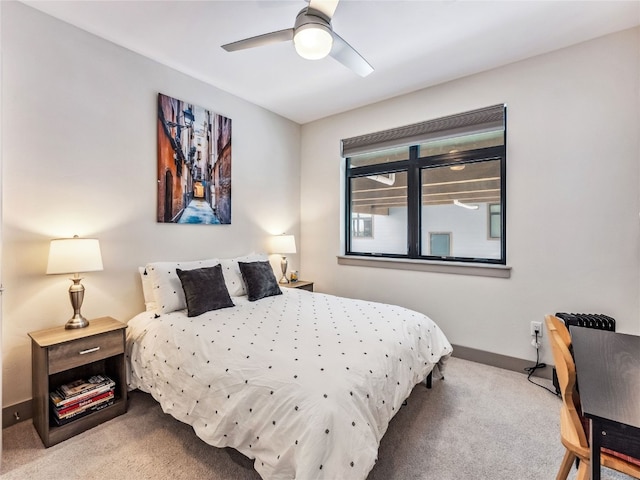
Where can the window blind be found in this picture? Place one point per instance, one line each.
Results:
(476, 121)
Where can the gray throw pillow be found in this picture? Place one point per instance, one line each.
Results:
(260, 280)
(204, 290)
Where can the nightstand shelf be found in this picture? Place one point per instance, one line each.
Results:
(60, 356)
(300, 284)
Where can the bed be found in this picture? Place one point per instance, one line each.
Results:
(304, 383)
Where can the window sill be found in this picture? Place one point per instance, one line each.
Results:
(458, 268)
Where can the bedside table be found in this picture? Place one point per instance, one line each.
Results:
(300, 284)
(60, 356)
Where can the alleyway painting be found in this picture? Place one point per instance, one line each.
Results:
(194, 164)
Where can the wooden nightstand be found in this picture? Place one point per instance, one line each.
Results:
(60, 356)
(300, 284)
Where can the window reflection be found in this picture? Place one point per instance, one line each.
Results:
(384, 198)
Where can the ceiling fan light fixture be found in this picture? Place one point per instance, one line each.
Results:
(313, 38)
(313, 41)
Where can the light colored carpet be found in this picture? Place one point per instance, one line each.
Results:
(479, 423)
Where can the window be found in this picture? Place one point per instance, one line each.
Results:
(440, 244)
(362, 225)
(383, 197)
(494, 221)
(426, 183)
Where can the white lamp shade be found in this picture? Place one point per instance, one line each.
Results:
(313, 41)
(74, 255)
(283, 244)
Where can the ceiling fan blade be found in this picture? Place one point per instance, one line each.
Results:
(260, 40)
(347, 55)
(326, 7)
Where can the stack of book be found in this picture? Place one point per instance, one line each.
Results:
(81, 397)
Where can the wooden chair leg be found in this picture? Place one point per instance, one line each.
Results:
(584, 472)
(565, 466)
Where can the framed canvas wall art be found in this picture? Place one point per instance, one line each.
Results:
(194, 164)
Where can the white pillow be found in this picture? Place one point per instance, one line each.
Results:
(231, 271)
(167, 288)
(147, 290)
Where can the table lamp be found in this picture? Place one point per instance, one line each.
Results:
(75, 255)
(282, 245)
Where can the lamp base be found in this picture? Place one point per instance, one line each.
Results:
(76, 295)
(76, 322)
(283, 265)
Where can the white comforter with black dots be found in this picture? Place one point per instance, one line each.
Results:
(303, 382)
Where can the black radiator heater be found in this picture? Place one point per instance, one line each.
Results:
(588, 320)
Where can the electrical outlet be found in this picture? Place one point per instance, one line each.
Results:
(536, 327)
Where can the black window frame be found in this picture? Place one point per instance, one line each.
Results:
(413, 166)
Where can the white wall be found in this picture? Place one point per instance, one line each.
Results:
(79, 157)
(573, 152)
(0, 231)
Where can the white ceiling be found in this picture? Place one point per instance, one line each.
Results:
(411, 44)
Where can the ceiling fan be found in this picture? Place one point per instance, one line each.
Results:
(313, 38)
